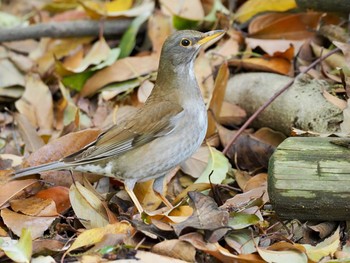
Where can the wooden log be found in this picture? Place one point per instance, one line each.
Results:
(309, 179)
(325, 5)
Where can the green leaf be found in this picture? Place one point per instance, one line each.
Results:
(243, 240)
(242, 220)
(217, 7)
(113, 56)
(181, 23)
(77, 81)
(217, 168)
(20, 251)
(128, 41)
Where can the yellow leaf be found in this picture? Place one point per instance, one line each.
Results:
(253, 7)
(328, 247)
(97, 9)
(96, 235)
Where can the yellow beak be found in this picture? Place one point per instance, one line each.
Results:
(211, 37)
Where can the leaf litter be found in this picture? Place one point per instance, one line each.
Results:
(220, 202)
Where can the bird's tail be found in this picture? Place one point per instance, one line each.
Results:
(38, 169)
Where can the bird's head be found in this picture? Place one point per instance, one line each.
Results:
(181, 47)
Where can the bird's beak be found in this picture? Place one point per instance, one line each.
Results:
(211, 37)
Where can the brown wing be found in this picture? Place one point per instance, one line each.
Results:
(146, 125)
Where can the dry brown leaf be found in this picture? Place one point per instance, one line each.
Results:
(43, 245)
(204, 75)
(149, 257)
(274, 64)
(16, 222)
(28, 133)
(341, 104)
(240, 201)
(242, 178)
(10, 75)
(36, 104)
(159, 28)
(196, 164)
(190, 9)
(231, 114)
(62, 146)
(123, 69)
(98, 53)
(49, 49)
(287, 26)
(34, 206)
(144, 90)
(259, 180)
(87, 206)
(176, 249)
(146, 196)
(59, 194)
(270, 136)
(206, 216)
(217, 98)
(15, 189)
(217, 251)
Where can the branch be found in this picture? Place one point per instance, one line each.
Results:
(275, 96)
(80, 28)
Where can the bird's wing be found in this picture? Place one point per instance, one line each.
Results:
(146, 125)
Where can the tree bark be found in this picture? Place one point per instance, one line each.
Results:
(342, 6)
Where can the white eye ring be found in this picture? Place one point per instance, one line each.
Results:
(185, 42)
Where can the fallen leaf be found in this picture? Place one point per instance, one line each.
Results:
(341, 104)
(217, 168)
(283, 252)
(204, 76)
(34, 206)
(36, 104)
(268, 64)
(253, 7)
(190, 9)
(10, 76)
(231, 114)
(128, 40)
(159, 28)
(197, 163)
(95, 235)
(14, 189)
(123, 69)
(176, 249)
(327, 247)
(217, 251)
(59, 194)
(16, 222)
(242, 241)
(206, 215)
(146, 196)
(62, 147)
(116, 8)
(87, 206)
(28, 133)
(217, 99)
(18, 251)
(99, 52)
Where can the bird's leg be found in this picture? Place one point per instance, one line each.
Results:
(129, 186)
(158, 190)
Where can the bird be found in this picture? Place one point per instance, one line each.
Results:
(164, 132)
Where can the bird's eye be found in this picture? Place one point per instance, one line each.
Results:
(185, 42)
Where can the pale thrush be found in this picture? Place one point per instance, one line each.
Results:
(167, 130)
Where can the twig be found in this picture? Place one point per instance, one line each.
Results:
(65, 29)
(275, 96)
